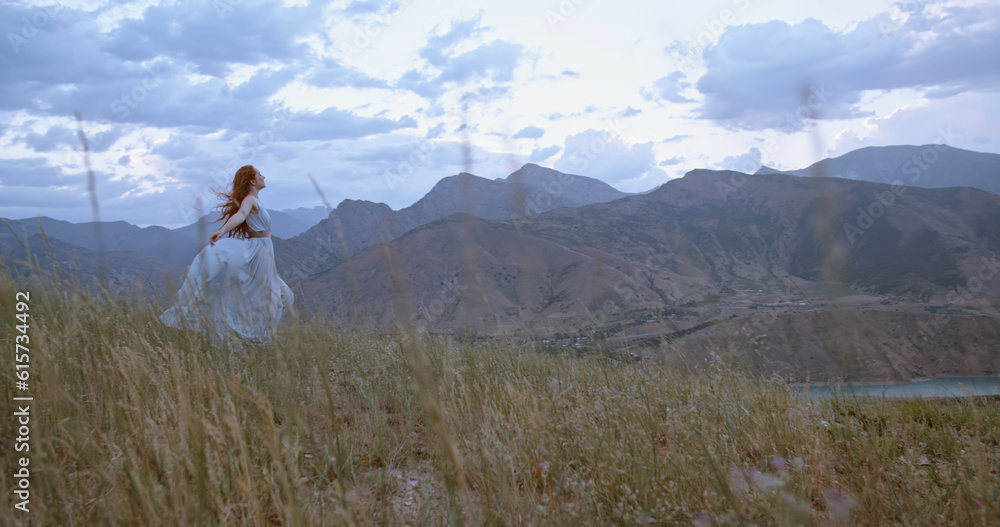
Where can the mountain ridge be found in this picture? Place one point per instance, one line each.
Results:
(692, 250)
(929, 166)
(357, 224)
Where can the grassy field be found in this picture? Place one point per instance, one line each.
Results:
(134, 423)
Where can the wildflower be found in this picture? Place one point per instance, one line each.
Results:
(839, 504)
(765, 482)
(737, 481)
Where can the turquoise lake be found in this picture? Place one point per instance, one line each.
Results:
(945, 387)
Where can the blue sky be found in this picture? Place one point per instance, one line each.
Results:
(375, 100)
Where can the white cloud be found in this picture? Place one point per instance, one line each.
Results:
(530, 132)
(747, 163)
(251, 32)
(776, 75)
(963, 121)
(541, 154)
(669, 88)
(599, 154)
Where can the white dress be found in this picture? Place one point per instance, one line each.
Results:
(234, 285)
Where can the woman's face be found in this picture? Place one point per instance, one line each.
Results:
(258, 181)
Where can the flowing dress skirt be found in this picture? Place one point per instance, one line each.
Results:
(232, 286)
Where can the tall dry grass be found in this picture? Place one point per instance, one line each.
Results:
(138, 424)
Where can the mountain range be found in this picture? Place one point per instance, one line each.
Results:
(807, 276)
(355, 225)
(930, 166)
(699, 249)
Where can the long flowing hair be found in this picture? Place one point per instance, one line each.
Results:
(231, 201)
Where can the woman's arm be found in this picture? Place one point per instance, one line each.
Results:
(241, 215)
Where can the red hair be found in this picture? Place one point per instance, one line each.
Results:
(231, 201)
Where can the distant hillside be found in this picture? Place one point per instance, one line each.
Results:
(769, 223)
(703, 250)
(355, 225)
(460, 271)
(172, 247)
(306, 217)
(930, 166)
(62, 262)
(692, 241)
(764, 169)
(528, 191)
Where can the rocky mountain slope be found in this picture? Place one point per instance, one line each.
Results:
(683, 261)
(930, 166)
(701, 235)
(355, 225)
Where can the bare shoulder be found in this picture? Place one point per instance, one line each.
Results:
(249, 205)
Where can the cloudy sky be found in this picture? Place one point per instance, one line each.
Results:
(379, 100)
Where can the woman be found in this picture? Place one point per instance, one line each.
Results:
(233, 283)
